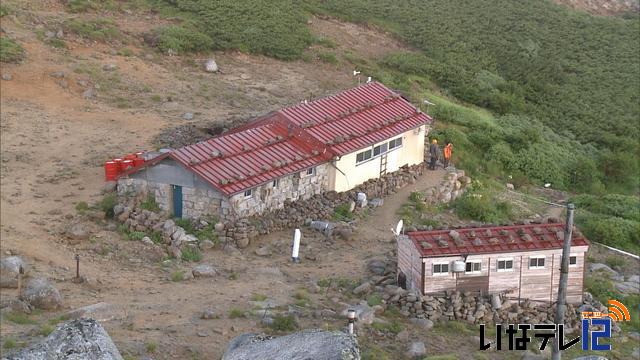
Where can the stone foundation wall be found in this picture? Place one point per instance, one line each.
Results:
(319, 206)
(266, 197)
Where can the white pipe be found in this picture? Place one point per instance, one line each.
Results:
(619, 251)
(296, 246)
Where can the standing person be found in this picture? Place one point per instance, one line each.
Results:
(433, 151)
(448, 150)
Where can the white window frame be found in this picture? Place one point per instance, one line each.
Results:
(433, 268)
(573, 256)
(537, 258)
(370, 151)
(312, 169)
(505, 264)
(389, 147)
(473, 266)
(380, 147)
(248, 194)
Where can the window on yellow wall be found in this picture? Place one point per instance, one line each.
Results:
(363, 156)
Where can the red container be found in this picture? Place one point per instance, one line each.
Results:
(125, 164)
(111, 171)
(130, 157)
(140, 155)
(138, 161)
(118, 161)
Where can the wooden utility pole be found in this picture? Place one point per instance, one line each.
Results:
(561, 304)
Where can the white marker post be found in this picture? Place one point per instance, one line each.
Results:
(351, 316)
(296, 246)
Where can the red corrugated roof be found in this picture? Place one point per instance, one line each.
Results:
(298, 137)
(499, 239)
(241, 160)
(356, 118)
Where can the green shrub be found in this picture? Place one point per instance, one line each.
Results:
(156, 237)
(82, 207)
(10, 343)
(78, 6)
(374, 299)
(342, 213)
(601, 289)
(393, 326)
(177, 275)
(481, 207)
(284, 323)
(10, 50)
(186, 224)
(258, 297)
(151, 346)
(275, 28)
(20, 318)
(98, 30)
(327, 57)
(612, 231)
(5, 10)
(125, 52)
(181, 40)
(137, 235)
(326, 42)
(235, 313)
(191, 254)
(107, 203)
(150, 204)
(45, 330)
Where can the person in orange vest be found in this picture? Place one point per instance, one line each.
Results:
(448, 150)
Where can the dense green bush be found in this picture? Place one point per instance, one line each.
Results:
(623, 206)
(181, 40)
(481, 207)
(97, 30)
(610, 230)
(275, 28)
(10, 51)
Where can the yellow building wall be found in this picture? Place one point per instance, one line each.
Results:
(344, 174)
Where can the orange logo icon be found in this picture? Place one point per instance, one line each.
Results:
(618, 312)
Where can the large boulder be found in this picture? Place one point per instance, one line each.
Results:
(79, 339)
(307, 344)
(41, 293)
(9, 268)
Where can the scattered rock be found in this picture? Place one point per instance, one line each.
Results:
(417, 349)
(510, 186)
(211, 66)
(109, 67)
(307, 344)
(362, 288)
(423, 323)
(376, 202)
(377, 267)
(41, 293)
(147, 240)
(18, 306)
(204, 270)
(9, 269)
(7, 77)
(78, 231)
(263, 251)
(206, 244)
(74, 340)
(90, 93)
(187, 116)
(602, 267)
(208, 314)
(57, 74)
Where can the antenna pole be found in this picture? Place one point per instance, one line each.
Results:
(561, 304)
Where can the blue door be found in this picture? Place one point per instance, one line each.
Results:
(177, 201)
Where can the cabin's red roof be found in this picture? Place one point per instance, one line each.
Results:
(499, 239)
(298, 137)
(240, 160)
(356, 118)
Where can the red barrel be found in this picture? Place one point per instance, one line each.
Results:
(138, 161)
(111, 171)
(126, 164)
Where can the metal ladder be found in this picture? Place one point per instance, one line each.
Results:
(383, 164)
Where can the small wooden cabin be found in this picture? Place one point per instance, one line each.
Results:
(522, 261)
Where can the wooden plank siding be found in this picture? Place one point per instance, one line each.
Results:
(522, 282)
(409, 262)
